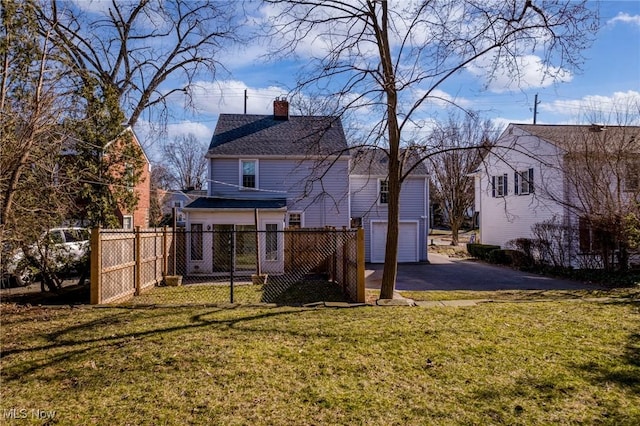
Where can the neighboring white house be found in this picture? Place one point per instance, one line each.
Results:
(538, 173)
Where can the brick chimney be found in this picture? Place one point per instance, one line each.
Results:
(281, 109)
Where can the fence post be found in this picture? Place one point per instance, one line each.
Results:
(96, 267)
(232, 259)
(360, 262)
(165, 253)
(344, 240)
(138, 256)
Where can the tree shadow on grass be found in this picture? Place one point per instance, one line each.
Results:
(625, 374)
(59, 340)
(302, 292)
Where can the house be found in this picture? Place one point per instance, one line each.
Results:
(579, 178)
(178, 199)
(130, 219)
(118, 161)
(369, 209)
(268, 173)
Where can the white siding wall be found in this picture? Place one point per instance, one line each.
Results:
(413, 207)
(505, 218)
(324, 203)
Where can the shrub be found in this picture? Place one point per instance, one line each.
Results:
(481, 251)
(500, 257)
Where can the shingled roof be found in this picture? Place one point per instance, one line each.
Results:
(574, 137)
(375, 161)
(256, 135)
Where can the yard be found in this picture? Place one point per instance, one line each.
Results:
(552, 362)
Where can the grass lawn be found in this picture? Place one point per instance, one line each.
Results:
(554, 362)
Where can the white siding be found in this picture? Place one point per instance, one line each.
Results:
(506, 218)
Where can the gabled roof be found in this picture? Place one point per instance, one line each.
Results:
(375, 162)
(575, 137)
(258, 135)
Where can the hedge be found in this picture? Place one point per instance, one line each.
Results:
(481, 251)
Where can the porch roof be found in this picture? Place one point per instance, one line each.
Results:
(214, 203)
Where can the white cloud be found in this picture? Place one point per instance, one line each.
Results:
(625, 18)
(527, 72)
(227, 96)
(617, 108)
(201, 131)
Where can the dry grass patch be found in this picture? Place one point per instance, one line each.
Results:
(534, 363)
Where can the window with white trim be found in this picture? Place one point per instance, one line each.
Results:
(499, 185)
(383, 191)
(523, 182)
(127, 222)
(249, 174)
(294, 219)
(196, 241)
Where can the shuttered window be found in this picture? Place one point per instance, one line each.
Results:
(499, 186)
(523, 182)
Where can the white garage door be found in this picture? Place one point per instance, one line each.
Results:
(407, 246)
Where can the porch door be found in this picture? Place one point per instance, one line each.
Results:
(245, 244)
(222, 235)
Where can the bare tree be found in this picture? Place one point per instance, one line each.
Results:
(601, 188)
(135, 47)
(461, 143)
(393, 59)
(185, 163)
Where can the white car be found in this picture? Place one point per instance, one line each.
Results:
(62, 249)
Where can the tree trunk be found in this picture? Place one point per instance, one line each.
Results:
(390, 270)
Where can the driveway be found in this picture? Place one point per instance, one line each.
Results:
(454, 274)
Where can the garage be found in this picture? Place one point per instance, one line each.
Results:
(407, 246)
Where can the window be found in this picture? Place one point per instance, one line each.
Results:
(523, 182)
(127, 222)
(593, 237)
(271, 241)
(632, 176)
(196, 241)
(249, 168)
(383, 193)
(177, 204)
(129, 174)
(294, 220)
(499, 186)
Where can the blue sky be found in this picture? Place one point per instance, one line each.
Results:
(609, 79)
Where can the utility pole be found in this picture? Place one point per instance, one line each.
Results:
(535, 109)
(245, 101)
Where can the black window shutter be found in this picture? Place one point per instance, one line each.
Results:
(493, 186)
(515, 184)
(531, 181)
(505, 186)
